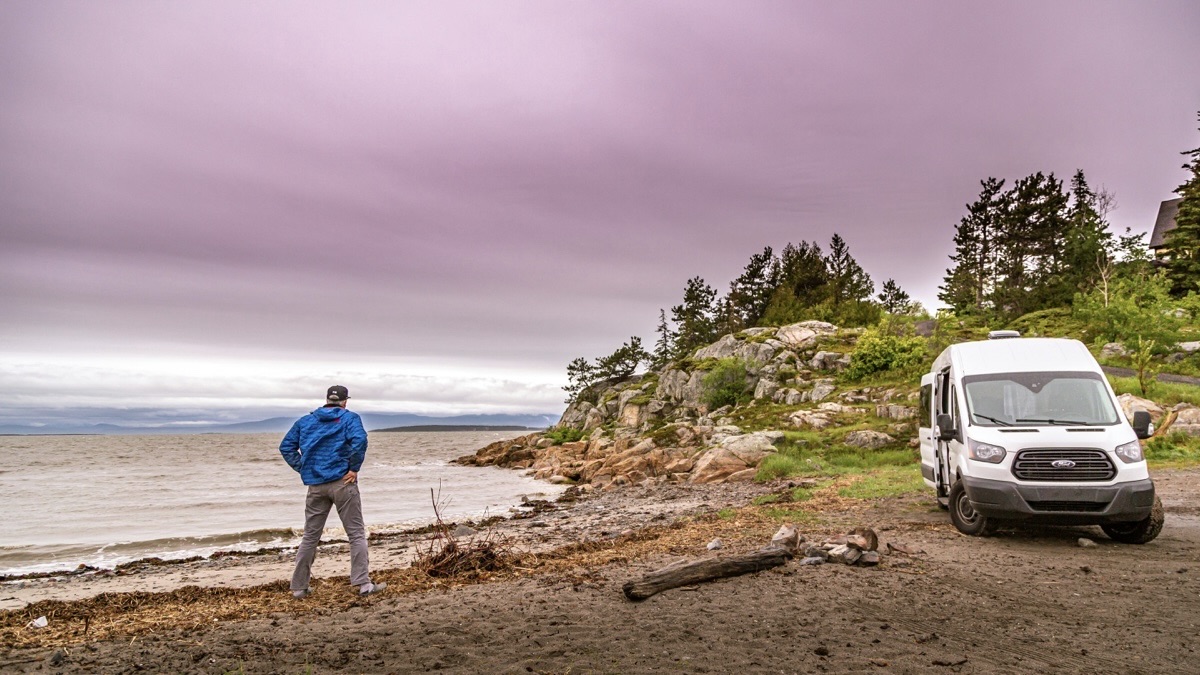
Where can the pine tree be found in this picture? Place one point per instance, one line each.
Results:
(847, 279)
(750, 293)
(801, 286)
(1088, 245)
(1030, 245)
(1183, 242)
(894, 300)
(968, 285)
(665, 345)
(694, 320)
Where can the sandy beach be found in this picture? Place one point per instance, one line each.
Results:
(1027, 599)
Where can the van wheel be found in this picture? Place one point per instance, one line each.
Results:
(965, 517)
(1140, 532)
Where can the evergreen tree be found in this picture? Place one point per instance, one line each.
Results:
(695, 324)
(801, 285)
(894, 300)
(847, 280)
(623, 362)
(1088, 245)
(1030, 246)
(1183, 242)
(969, 283)
(664, 346)
(750, 293)
(580, 374)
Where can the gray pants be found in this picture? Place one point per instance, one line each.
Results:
(316, 510)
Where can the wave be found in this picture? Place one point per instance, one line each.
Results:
(42, 558)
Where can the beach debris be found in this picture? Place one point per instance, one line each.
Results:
(1084, 542)
(781, 549)
(715, 544)
(446, 554)
(40, 622)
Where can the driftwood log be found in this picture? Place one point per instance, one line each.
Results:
(781, 549)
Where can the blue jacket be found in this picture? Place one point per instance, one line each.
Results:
(325, 444)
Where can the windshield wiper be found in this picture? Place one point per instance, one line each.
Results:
(1054, 422)
(993, 419)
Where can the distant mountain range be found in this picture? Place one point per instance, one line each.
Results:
(372, 421)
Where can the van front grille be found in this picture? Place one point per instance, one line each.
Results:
(1058, 507)
(1072, 465)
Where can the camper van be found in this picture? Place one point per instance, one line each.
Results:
(1028, 429)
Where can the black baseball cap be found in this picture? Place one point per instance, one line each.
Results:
(337, 393)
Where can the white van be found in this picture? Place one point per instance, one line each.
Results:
(1028, 429)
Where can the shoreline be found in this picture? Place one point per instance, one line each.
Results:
(539, 524)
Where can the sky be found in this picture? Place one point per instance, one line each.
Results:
(211, 211)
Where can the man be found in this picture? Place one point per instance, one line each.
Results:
(327, 447)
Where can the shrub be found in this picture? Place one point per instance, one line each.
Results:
(727, 383)
(877, 353)
(1175, 446)
(562, 435)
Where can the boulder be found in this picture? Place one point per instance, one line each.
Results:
(680, 386)
(866, 438)
(765, 389)
(826, 361)
(1187, 420)
(1188, 347)
(805, 334)
(895, 412)
(1131, 404)
(821, 389)
(810, 418)
(734, 454)
(1112, 350)
(593, 420)
(755, 354)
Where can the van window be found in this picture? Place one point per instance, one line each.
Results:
(926, 410)
(1039, 399)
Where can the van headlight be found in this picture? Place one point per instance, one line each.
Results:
(985, 452)
(1130, 452)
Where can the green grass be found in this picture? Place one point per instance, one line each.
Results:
(1174, 449)
(886, 482)
(727, 514)
(564, 435)
(1163, 393)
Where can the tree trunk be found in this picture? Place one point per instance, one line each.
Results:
(781, 549)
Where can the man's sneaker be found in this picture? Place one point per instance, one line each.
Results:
(369, 588)
(300, 595)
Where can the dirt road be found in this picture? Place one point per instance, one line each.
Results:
(1026, 600)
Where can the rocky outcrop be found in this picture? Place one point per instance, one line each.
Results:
(1187, 419)
(735, 457)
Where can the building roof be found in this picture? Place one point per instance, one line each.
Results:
(1166, 221)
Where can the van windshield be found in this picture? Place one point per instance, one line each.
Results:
(1039, 399)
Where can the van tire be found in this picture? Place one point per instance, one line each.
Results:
(965, 517)
(1140, 532)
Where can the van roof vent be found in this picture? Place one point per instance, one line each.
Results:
(1002, 334)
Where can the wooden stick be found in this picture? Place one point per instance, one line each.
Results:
(781, 549)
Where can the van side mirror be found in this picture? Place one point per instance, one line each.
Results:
(1141, 424)
(945, 428)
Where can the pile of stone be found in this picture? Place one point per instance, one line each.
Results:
(859, 547)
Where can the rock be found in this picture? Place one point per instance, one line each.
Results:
(463, 532)
(805, 334)
(1113, 350)
(560, 480)
(57, 658)
(866, 438)
(680, 386)
(816, 552)
(1084, 542)
(828, 361)
(593, 419)
(1131, 404)
(895, 412)
(1187, 420)
(869, 559)
(1188, 347)
(821, 389)
(765, 388)
(715, 544)
(844, 554)
(631, 416)
(808, 418)
(734, 454)
(814, 560)
(863, 538)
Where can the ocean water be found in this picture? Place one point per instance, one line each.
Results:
(105, 500)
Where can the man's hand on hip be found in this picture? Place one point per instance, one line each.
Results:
(350, 477)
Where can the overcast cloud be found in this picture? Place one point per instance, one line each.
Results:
(212, 210)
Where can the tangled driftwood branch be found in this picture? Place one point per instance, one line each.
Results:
(446, 555)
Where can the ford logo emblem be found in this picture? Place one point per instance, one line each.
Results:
(1062, 464)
